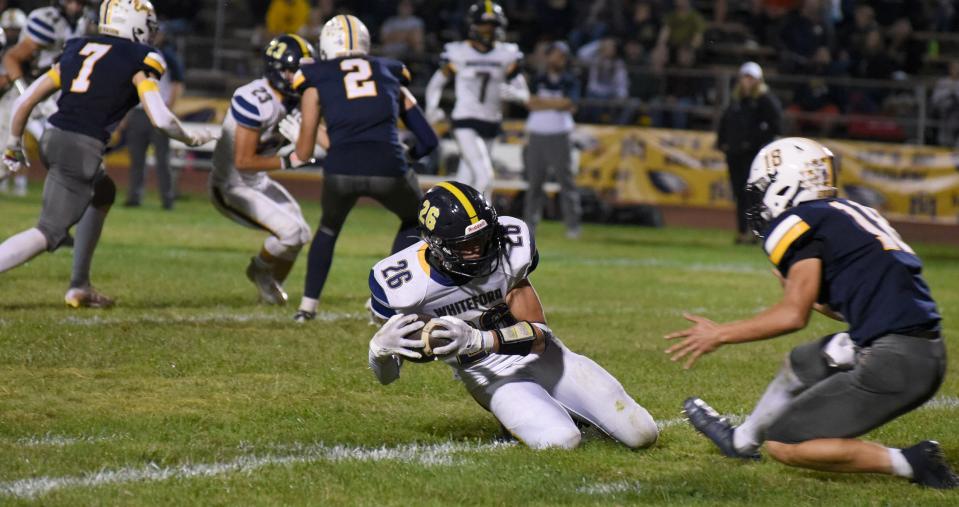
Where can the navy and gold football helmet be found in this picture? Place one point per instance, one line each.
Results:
(282, 55)
(462, 231)
(487, 22)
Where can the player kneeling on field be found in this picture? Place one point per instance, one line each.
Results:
(468, 262)
(844, 260)
(259, 135)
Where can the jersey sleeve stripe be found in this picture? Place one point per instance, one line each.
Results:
(39, 37)
(155, 65)
(421, 256)
(41, 24)
(54, 75)
(245, 104)
(380, 310)
(794, 232)
(298, 80)
(243, 119)
(379, 295)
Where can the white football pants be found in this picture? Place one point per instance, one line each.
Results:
(476, 162)
(268, 207)
(538, 401)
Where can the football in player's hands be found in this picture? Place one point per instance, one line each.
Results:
(428, 343)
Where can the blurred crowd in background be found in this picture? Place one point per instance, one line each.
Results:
(871, 69)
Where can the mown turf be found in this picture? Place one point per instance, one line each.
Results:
(188, 372)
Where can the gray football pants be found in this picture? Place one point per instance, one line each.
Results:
(545, 152)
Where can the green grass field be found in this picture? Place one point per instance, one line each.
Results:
(187, 392)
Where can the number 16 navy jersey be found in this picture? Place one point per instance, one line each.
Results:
(360, 99)
(869, 274)
(96, 80)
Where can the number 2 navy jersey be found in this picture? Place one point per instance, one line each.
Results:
(360, 100)
(96, 81)
(870, 275)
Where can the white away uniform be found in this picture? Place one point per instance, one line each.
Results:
(50, 31)
(254, 199)
(482, 81)
(533, 396)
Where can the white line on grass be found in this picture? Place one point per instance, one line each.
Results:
(52, 440)
(610, 488)
(427, 455)
(209, 318)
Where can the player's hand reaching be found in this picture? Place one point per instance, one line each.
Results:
(289, 126)
(700, 339)
(389, 340)
(434, 116)
(13, 157)
(201, 136)
(464, 338)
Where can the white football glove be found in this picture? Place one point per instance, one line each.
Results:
(289, 126)
(13, 157)
(434, 116)
(465, 339)
(389, 341)
(202, 135)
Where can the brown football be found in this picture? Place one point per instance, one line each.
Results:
(423, 336)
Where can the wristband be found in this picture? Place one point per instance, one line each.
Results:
(516, 340)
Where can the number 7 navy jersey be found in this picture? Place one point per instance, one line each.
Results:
(869, 274)
(360, 99)
(96, 81)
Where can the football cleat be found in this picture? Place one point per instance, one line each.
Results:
(929, 467)
(303, 316)
(262, 276)
(716, 428)
(86, 297)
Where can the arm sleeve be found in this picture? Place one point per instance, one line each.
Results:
(434, 90)
(516, 89)
(426, 140)
(40, 30)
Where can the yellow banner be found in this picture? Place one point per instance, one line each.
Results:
(657, 166)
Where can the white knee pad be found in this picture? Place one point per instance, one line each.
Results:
(641, 430)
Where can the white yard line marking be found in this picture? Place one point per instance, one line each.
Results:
(210, 318)
(942, 402)
(427, 455)
(610, 488)
(52, 440)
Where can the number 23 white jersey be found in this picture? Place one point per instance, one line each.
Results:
(479, 78)
(257, 106)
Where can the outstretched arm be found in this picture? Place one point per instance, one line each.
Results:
(413, 118)
(788, 315)
(160, 115)
(434, 92)
(33, 95)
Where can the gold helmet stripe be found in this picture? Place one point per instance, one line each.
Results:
(489, 6)
(461, 197)
(304, 46)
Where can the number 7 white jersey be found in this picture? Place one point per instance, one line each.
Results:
(480, 77)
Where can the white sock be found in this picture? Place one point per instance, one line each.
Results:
(309, 304)
(21, 247)
(900, 465)
(780, 393)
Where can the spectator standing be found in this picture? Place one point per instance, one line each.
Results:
(945, 104)
(287, 16)
(752, 120)
(644, 26)
(402, 34)
(607, 80)
(552, 101)
(684, 26)
(140, 134)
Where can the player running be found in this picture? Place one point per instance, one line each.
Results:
(844, 260)
(487, 70)
(100, 79)
(262, 118)
(47, 31)
(360, 98)
(471, 271)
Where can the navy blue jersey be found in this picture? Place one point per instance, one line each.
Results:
(96, 81)
(870, 275)
(360, 100)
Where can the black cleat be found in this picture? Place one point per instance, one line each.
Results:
(303, 316)
(716, 428)
(929, 467)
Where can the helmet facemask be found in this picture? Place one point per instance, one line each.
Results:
(473, 256)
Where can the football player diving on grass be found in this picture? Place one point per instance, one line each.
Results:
(843, 259)
(360, 98)
(100, 79)
(486, 71)
(470, 272)
(262, 119)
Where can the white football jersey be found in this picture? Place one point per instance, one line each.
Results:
(405, 283)
(257, 106)
(50, 30)
(479, 77)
